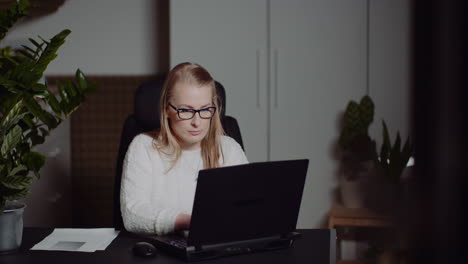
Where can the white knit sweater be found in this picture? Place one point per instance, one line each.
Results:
(150, 198)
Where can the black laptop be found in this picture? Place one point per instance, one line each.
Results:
(241, 209)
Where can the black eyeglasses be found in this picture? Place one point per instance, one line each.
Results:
(188, 113)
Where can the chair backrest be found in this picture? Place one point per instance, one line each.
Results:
(146, 118)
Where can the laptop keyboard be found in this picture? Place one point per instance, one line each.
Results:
(180, 243)
(177, 241)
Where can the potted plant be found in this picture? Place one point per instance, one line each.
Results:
(357, 150)
(385, 188)
(28, 112)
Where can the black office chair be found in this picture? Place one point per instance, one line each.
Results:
(146, 118)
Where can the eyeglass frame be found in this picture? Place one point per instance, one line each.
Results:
(193, 111)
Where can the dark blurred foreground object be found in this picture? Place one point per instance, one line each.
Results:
(437, 205)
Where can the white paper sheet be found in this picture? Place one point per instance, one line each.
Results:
(76, 239)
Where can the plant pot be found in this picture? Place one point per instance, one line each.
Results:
(384, 197)
(352, 193)
(11, 227)
(353, 186)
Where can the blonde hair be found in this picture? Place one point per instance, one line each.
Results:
(165, 141)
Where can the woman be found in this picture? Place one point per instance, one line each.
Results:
(161, 168)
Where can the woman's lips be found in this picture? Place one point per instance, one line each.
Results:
(195, 132)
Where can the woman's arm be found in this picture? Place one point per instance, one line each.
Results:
(139, 214)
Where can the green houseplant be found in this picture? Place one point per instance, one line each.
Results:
(356, 149)
(355, 143)
(28, 109)
(360, 158)
(392, 159)
(386, 193)
(386, 188)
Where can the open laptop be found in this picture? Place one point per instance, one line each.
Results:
(241, 209)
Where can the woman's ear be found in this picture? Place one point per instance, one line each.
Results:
(168, 113)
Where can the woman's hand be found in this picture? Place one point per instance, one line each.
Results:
(182, 222)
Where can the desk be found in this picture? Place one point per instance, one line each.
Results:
(314, 247)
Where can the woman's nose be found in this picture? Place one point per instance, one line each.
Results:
(196, 120)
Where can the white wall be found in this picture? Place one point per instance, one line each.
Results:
(49, 204)
(390, 67)
(108, 37)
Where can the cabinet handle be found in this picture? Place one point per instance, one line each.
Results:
(258, 79)
(275, 65)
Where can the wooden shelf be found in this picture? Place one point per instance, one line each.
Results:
(355, 217)
(360, 217)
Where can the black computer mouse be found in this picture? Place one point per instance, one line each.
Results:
(144, 249)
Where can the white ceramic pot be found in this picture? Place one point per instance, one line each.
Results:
(353, 189)
(11, 227)
(352, 193)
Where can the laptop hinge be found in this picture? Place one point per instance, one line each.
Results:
(291, 236)
(246, 246)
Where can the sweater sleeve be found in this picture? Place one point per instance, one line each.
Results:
(234, 155)
(138, 213)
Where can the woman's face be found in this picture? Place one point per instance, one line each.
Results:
(190, 132)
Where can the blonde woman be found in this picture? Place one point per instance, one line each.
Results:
(161, 168)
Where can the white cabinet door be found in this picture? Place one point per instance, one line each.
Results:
(318, 63)
(228, 38)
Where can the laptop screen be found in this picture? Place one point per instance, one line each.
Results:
(247, 201)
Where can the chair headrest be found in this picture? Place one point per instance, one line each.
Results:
(146, 105)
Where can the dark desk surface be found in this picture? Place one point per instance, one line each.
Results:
(313, 247)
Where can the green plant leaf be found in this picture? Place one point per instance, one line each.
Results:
(26, 54)
(397, 144)
(54, 103)
(8, 17)
(43, 40)
(17, 183)
(35, 43)
(27, 119)
(31, 52)
(13, 116)
(11, 139)
(386, 145)
(40, 113)
(21, 148)
(81, 80)
(366, 108)
(11, 85)
(13, 194)
(395, 150)
(64, 102)
(35, 161)
(39, 87)
(2, 166)
(15, 171)
(36, 138)
(350, 120)
(70, 90)
(26, 74)
(49, 53)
